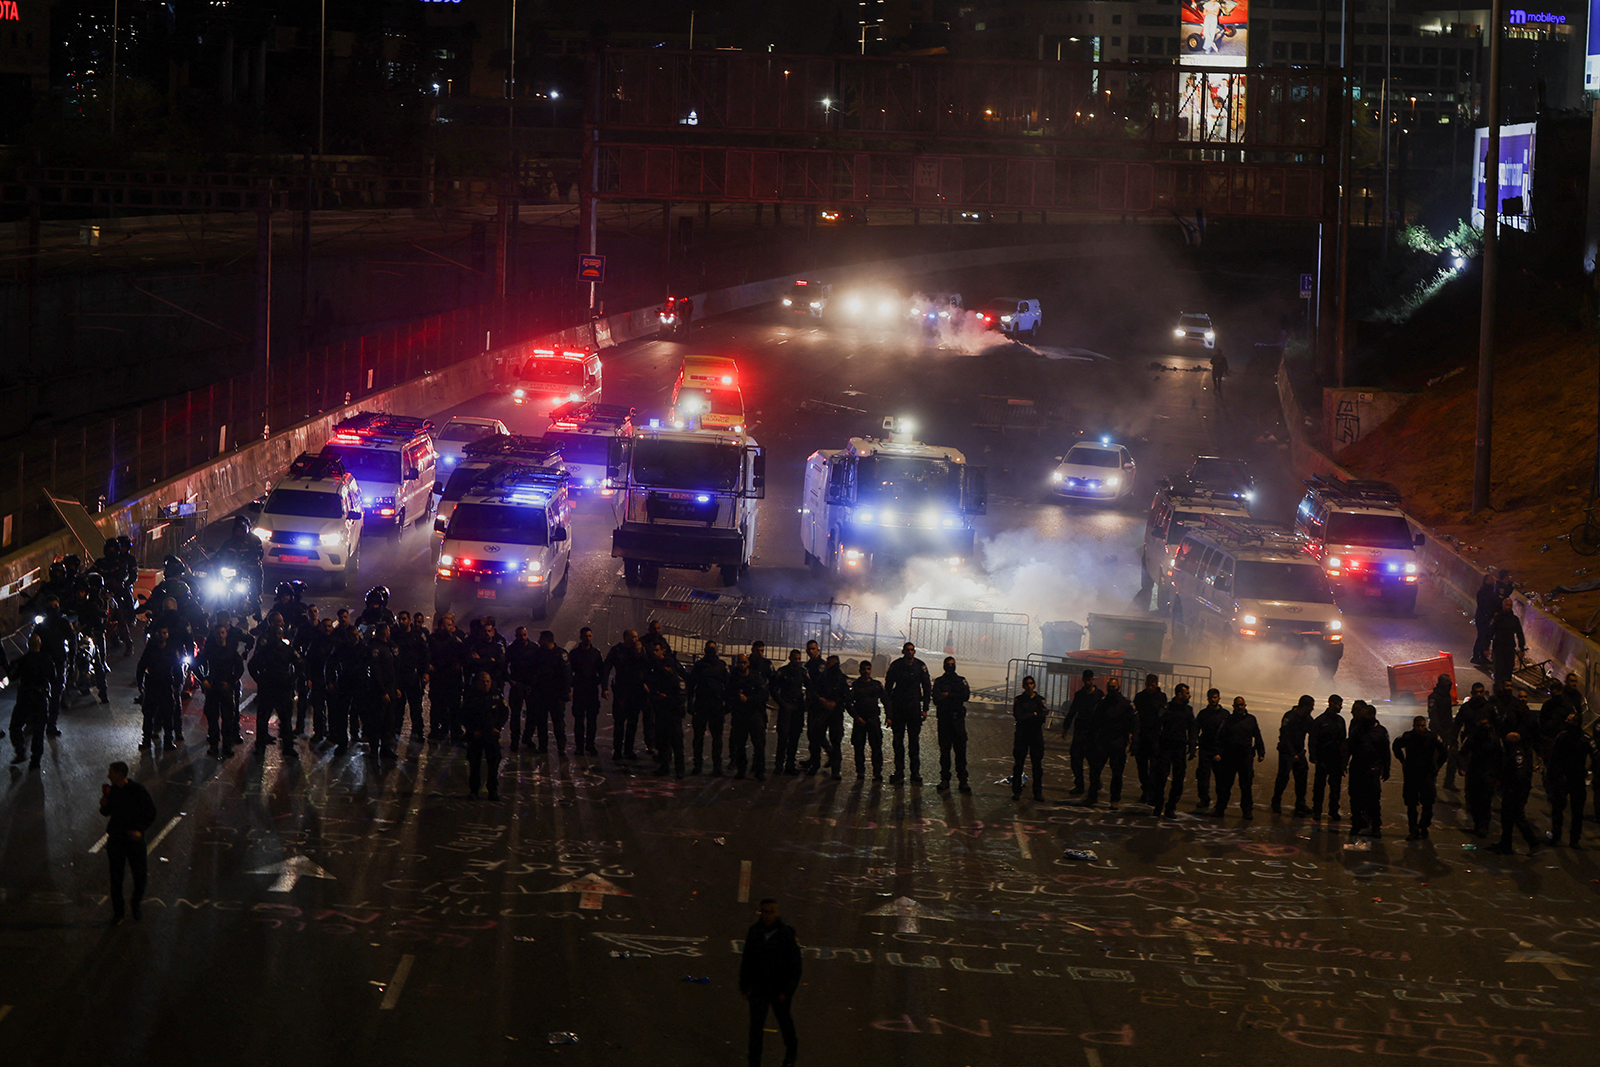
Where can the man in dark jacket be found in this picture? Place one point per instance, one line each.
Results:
(376, 693)
(866, 712)
(1027, 741)
(483, 715)
(832, 693)
(909, 691)
(1421, 754)
(1207, 724)
(159, 676)
(549, 682)
(747, 718)
(1480, 755)
(1517, 761)
(707, 690)
(1327, 754)
(1147, 705)
(1487, 603)
(518, 670)
(1175, 745)
(314, 649)
(30, 680)
(1369, 750)
(1079, 718)
(625, 671)
(588, 668)
(816, 716)
(788, 690)
(130, 812)
(769, 975)
(1571, 753)
(663, 684)
(1115, 724)
(447, 666)
(950, 695)
(220, 667)
(1506, 642)
(486, 651)
(1293, 730)
(1238, 740)
(1442, 724)
(274, 667)
(345, 666)
(411, 662)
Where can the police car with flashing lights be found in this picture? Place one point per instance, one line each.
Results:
(583, 433)
(936, 311)
(550, 377)
(1194, 328)
(706, 395)
(454, 437)
(508, 543)
(1094, 470)
(1358, 532)
(1013, 316)
(478, 458)
(807, 297)
(311, 520)
(393, 459)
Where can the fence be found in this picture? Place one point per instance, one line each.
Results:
(1008, 413)
(974, 636)
(691, 617)
(1058, 678)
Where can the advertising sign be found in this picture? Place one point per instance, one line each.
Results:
(1515, 173)
(1214, 33)
(1211, 106)
(1591, 62)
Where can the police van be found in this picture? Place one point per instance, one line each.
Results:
(1179, 504)
(393, 459)
(1238, 584)
(583, 433)
(706, 395)
(477, 459)
(508, 543)
(550, 377)
(1357, 530)
(311, 520)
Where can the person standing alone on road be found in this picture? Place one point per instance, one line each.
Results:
(1219, 369)
(1030, 711)
(769, 975)
(131, 812)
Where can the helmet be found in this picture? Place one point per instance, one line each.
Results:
(297, 590)
(58, 571)
(111, 546)
(378, 596)
(241, 525)
(96, 581)
(74, 564)
(283, 589)
(172, 567)
(125, 543)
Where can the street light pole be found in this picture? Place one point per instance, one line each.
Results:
(116, 12)
(322, 71)
(1483, 445)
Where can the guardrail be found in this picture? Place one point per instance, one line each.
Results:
(972, 636)
(691, 617)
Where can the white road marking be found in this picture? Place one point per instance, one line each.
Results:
(1093, 1056)
(165, 830)
(1022, 840)
(98, 845)
(391, 996)
(744, 881)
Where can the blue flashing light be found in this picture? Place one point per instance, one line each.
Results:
(449, 460)
(1105, 439)
(1393, 568)
(703, 498)
(305, 542)
(588, 481)
(513, 565)
(655, 424)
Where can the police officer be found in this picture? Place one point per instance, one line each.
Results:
(275, 668)
(707, 690)
(1175, 745)
(377, 610)
(1027, 740)
(242, 551)
(747, 715)
(288, 600)
(1208, 725)
(1327, 753)
(909, 691)
(588, 679)
(950, 695)
(483, 716)
(1571, 753)
(1441, 723)
(1517, 761)
(411, 664)
(447, 665)
(58, 637)
(625, 667)
(1369, 749)
(1421, 754)
(1147, 705)
(834, 697)
(315, 645)
(866, 713)
(378, 689)
(549, 688)
(769, 975)
(1293, 730)
(1115, 724)
(1506, 642)
(92, 622)
(663, 684)
(119, 571)
(788, 691)
(1487, 603)
(1238, 739)
(344, 675)
(816, 715)
(1080, 719)
(220, 667)
(519, 671)
(31, 677)
(486, 651)
(159, 677)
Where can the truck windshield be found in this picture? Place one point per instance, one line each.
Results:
(580, 447)
(304, 503)
(704, 401)
(553, 371)
(371, 466)
(1369, 531)
(498, 523)
(703, 465)
(1303, 583)
(908, 480)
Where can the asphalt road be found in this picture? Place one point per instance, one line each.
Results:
(337, 910)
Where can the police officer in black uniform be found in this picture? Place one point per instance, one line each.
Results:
(1327, 753)
(866, 715)
(1079, 718)
(1368, 745)
(159, 676)
(1237, 741)
(447, 662)
(663, 684)
(220, 667)
(411, 662)
(910, 692)
(950, 695)
(747, 718)
(1027, 741)
(243, 552)
(549, 689)
(1421, 754)
(588, 669)
(707, 691)
(1176, 738)
(1293, 730)
(344, 673)
(30, 675)
(518, 672)
(625, 666)
(483, 716)
(1147, 705)
(788, 689)
(276, 667)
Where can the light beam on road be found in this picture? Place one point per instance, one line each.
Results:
(290, 870)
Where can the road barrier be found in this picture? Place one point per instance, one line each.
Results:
(970, 636)
(1058, 678)
(691, 617)
(1009, 413)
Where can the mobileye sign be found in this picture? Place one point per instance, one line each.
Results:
(1518, 17)
(8, 11)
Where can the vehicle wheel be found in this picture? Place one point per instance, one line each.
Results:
(1328, 668)
(1033, 333)
(649, 575)
(730, 574)
(566, 572)
(540, 608)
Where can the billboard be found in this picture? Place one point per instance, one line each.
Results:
(1591, 61)
(1211, 106)
(1214, 33)
(1515, 172)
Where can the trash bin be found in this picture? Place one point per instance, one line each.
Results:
(1410, 683)
(1061, 638)
(1137, 637)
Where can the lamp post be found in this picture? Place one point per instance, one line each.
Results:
(116, 11)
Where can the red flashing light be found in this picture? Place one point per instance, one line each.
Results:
(347, 438)
(466, 563)
(544, 351)
(727, 379)
(569, 354)
(802, 281)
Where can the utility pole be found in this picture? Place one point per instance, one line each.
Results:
(1483, 446)
(1347, 143)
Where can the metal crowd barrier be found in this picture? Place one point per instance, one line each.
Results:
(691, 617)
(1058, 678)
(971, 636)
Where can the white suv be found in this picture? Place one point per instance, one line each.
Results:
(1194, 328)
(311, 520)
(508, 545)
(1012, 316)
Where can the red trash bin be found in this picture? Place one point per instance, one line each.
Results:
(1412, 682)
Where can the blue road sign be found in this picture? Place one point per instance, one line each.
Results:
(591, 268)
(1305, 287)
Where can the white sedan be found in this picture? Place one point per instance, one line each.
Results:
(1094, 471)
(456, 434)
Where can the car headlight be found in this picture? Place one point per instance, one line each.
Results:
(1178, 332)
(1005, 318)
(1249, 620)
(263, 533)
(852, 306)
(1211, 335)
(331, 538)
(886, 309)
(229, 572)
(447, 561)
(1335, 625)
(241, 588)
(867, 516)
(1113, 481)
(1411, 568)
(1333, 562)
(787, 302)
(930, 517)
(1249, 495)
(1056, 476)
(216, 587)
(816, 304)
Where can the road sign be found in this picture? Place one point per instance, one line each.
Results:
(591, 268)
(1305, 286)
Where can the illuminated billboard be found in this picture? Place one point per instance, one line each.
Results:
(1591, 62)
(1211, 106)
(1515, 172)
(1214, 33)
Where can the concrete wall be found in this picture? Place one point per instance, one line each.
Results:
(1348, 415)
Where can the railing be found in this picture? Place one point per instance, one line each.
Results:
(1059, 677)
(970, 636)
(691, 617)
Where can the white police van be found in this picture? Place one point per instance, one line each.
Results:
(508, 543)
(311, 520)
(393, 458)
